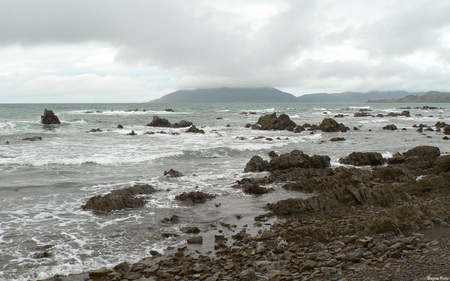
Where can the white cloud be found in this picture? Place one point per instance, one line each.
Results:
(140, 50)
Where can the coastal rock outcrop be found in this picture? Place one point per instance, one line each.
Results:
(194, 129)
(119, 199)
(49, 117)
(298, 159)
(173, 174)
(163, 122)
(363, 159)
(272, 122)
(194, 197)
(256, 164)
(331, 125)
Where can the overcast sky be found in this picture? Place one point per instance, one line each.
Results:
(139, 50)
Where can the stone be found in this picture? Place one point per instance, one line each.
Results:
(49, 117)
(194, 197)
(256, 164)
(272, 122)
(391, 127)
(190, 229)
(163, 122)
(363, 158)
(331, 125)
(327, 271)
(194, 129)
(308, 265)
(172, 173)
(35, 138)
(119, 199)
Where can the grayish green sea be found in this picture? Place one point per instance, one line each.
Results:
(44, 183)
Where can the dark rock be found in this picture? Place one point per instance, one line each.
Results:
(272, 154)
(330, 125)
(363, 158)
(256, 164)
(194, 129)
(122, 267)
(132, 133)
(169, 110)
(337, 139)
(42, 255)
(119, 199)
(98, 130)
(190, 229)
(172, 219)
(173, 174)
(194, 197)
(361, 114)
(255, 189)
(195, 240)
(119, 126)
(49, 117)
(319, 161)
(272, 122)
(391, 127)
(297, 158)
(35, 138)
(163, 122)
(99, 274)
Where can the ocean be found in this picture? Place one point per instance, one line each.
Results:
(43, 184)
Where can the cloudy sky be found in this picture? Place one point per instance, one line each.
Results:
(138, 50)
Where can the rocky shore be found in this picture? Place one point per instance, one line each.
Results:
(370, 219)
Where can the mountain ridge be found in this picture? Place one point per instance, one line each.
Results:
(227, 95)
(273, 95)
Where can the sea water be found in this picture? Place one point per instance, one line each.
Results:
(43, 184)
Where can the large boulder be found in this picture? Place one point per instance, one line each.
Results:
(298, 159)
(119, 199)
(49, 117)
(163, 122)
(272, 122)
(363, 159)
(256, 164)
(331, 125)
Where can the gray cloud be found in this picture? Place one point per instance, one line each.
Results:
(207, 46)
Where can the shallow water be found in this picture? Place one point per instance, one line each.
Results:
(44, 183)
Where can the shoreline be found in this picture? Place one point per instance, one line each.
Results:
(390, 222)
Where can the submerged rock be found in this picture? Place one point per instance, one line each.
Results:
(172, 173)
(49, 117)
(35, 138)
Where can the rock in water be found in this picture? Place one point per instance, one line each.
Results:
(363, 158)
(49, 117)
(119, 199)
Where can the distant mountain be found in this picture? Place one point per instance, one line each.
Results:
(429, 97)
(352, 97)
(228, 95)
